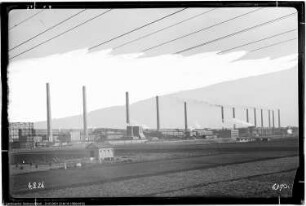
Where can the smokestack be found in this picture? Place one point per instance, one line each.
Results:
(255, 123)
(127, 108)
(85, 114)
(157, 113)
(261, 115)
(279, 119)
(234, 115)
(273, 125)
(222, 114)
(247, 115)
(185, 109)
(49, 123)
(269, 118)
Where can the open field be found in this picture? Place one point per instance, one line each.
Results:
(46, 155)
(231, 169)
(253, 179)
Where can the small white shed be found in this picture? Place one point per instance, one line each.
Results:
(100, 151)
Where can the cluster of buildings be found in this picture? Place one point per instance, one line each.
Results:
(244, 132)
(23, 135)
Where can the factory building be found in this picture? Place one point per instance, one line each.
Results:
(43, 133)
(100, 151)
(21, 134)
(102, 134)
(59, 135)
(21, 131)
(75, 135)
(135, 132)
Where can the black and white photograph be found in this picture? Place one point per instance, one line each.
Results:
(178, 101)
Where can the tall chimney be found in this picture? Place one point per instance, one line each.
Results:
(269, 117)
(273, 125)
(222, 114)
(127, 108)
(255, 123)
(185, 110)
(234, 116)
(157, 113)
(49, 123)
(279, 119)
(247, 114)
(85, 114)
(261, 114)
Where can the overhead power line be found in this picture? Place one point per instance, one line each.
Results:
(235, 33)
(271, 45)
(78, 25)
(48, 29)
(30, 17)
(200, 30)
(160, 30)
(136, 29)
(254, 42)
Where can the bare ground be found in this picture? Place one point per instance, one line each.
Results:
(254, 179)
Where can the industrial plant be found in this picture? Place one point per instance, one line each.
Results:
(23, 135)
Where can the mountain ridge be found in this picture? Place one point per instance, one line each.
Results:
(265, 91)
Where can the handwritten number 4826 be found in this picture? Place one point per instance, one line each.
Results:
(36, 185)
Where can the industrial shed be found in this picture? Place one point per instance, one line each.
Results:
(100, 151)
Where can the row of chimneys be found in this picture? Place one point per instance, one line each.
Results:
(49, 124)
(261, 115)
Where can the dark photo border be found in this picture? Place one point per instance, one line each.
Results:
(298, 188)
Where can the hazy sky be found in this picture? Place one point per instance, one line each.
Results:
(67, 64)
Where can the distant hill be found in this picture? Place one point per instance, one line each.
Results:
(274, 90)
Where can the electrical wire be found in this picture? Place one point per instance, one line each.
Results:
(133, 30)
(254, 42)
(30, 17)
(91, 19)
(271, 45)
(46, 30)
(200, 30)
(160, 30)
(235, 33)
